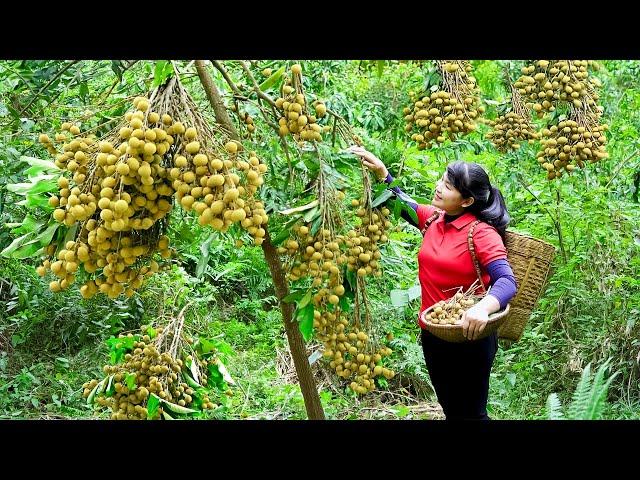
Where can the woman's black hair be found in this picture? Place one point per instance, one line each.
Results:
(471, 180)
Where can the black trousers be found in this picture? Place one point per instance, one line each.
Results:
(460, 374)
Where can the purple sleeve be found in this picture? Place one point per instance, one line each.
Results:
(503, 283)
(401, 195)
(406, 199)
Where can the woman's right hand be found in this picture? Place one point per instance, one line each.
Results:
(370, 161)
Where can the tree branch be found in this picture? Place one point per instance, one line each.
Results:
(216, 102)
(226, 76)
(256, 87)
(620, 165)
(55, 77)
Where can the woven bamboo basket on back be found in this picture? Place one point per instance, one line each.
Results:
(530, 260)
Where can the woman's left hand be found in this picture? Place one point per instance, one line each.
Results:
(473, 322)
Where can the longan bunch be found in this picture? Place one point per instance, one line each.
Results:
(317, 256)
(510, 130)
(349, 350)
(120, 194)
(297, 118)
(513, 127)
(213, 176)
(548, 82)
(209, 185)
(118, 274)
(155, 371)
(451, 311)
(448, 112)
(364, 254)
(354, 357)
(571, 143)
(248, 121)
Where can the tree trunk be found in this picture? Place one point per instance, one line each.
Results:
(294, 337)
(296, 343)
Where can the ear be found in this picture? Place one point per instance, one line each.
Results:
(467, 202)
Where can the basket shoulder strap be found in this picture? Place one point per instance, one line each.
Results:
(429, 221)
(472, 251)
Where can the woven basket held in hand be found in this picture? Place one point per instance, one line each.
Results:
(530, 261)
(454, 333)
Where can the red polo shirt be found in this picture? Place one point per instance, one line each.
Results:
(444, 261)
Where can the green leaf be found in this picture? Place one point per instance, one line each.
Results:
(345, 305)
(99, 388)
(46, 236)
(33, 188)
(225, 373)
(83, 91)
(351, 278)
(163, 70)
(316, 226)
(167, 416)
(111, 386)
(29, 225)
(270, 82)
(311, 214)
(554, 408)
(380, 66)
(39, 164)
(130, 379)
(189, 380)
(215, 377)
(305, 318)
(207, 346)
(152, 406)
(299, 209)
(399, 298)
(152, 332)
(305, 300)
(383, 197)
(71, 234)
(412, 213)
(281, 237)
(19, 188)
(220, 345)
(27, 251)
(37, 201)
(116, 66)
(294, 296)
(17, 243)
(204, 257)
(284, 233)
(402, 411)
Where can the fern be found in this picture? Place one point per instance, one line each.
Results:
(599, 392)
(581, 396)
(554, 408)
(588, 399)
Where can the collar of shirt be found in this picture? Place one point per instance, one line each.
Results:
(460, 222)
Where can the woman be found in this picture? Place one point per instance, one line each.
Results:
(459, 371)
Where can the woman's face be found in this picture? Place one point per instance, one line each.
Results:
(447, 198)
